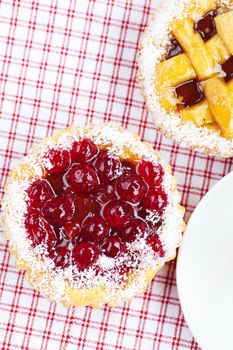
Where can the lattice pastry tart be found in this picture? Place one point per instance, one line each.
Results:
(92, 214)
(186, 73)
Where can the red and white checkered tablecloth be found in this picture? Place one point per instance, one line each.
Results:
(66, 61)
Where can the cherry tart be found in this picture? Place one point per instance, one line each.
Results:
(91, 214)
(186, 73)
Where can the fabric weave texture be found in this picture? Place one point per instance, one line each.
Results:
(65, 62)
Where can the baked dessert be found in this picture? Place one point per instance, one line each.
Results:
(91, 214)
(186, 73)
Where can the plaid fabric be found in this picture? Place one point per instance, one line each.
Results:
(65, 62)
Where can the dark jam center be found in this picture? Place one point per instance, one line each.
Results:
(189, 93)
(206, 25)
(227, 68)
(81, 210)
(174, 49)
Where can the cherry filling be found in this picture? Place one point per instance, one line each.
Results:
(57, 160)
(59, 210)
(92, 203)
(206, 25)
(83, 151)
(189, 93)
(136, 227)
(82, 178)
(94, 228)
(39, 193)
(174, 49)
(227, 68)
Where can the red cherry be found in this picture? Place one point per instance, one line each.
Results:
(143, 213)
(94, 228)
(156, 244)
(131, 187)
(154, 221)
(82, 178)
(61, 257)
(72, 231)
(57, 160)
(83, 151)
(155, 199)
(123, 271)
(113, 247)
(61, 237)
(107, 167)
(106, 193)
(128, 167)
(117, 213)
(39, 230)
(129, 232)
(59, 210)
(84, 206)
(39, 192)
(85, 254)
(57, 183)
(152, 174)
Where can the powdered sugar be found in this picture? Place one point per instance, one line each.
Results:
(52, 282)
(152, 49)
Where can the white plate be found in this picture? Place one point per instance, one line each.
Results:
(205, 269)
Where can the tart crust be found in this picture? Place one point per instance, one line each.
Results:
(153, 46)
(39, 272)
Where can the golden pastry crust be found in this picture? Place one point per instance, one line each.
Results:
(180, 127)
(38, 271)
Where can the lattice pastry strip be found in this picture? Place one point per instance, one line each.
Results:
(171, 73)
(220, 103)
(195, 48)
(218, 50)
(224, 25)
(200, 7)
(200, 114)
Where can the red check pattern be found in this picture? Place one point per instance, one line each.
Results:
(76, 61)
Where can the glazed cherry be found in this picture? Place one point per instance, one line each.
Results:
(61, 257)
(131, 188)
(174, 48)
(57, 160)
(156, 244)
(189, 93)
(57, 183)
(82, 178)
(84, 206)
(73, 231)
(152, 174)
(117, 213)
(128, 167)
(61, 237)
(106, 193)
(206, 25)
(107, 167)
(39, 192)
(83, 151)
(153, 220)
(227, 68)
(129, 232)
(155, 199)
(59, 210)
(39, 230)
(85, 254)
(113, 247)
(94, 228)
(123, 271)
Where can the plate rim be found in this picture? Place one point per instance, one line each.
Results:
(185, 312)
